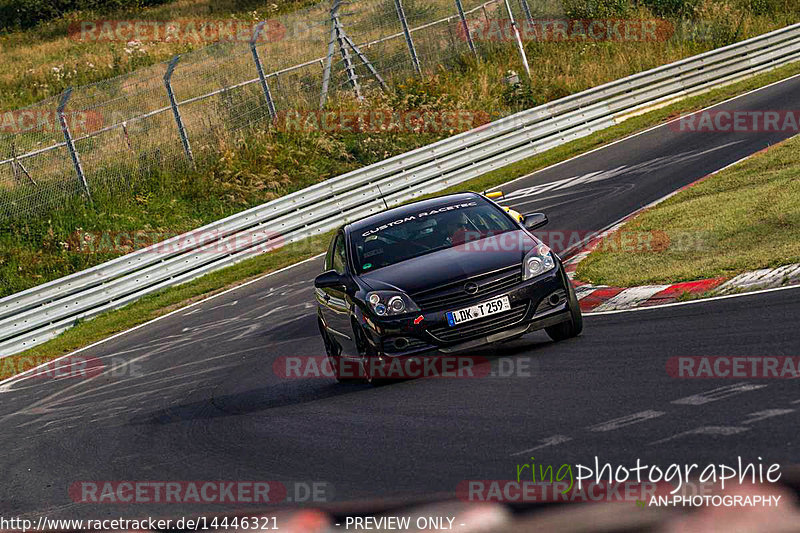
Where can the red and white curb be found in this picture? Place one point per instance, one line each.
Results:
(602, 298)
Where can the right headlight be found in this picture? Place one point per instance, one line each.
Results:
(538, 261)
(389, 303)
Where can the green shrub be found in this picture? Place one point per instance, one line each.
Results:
(23, 14)
(589, 9)
(673, 8)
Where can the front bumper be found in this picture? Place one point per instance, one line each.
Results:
(535, 304)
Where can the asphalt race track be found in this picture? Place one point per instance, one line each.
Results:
(195, 396)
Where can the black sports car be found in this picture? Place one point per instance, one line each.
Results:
(435, 277)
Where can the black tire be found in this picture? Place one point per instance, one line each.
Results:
(572, 327)
(332, 351)
(366, 351)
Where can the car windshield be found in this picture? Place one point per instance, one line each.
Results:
(395, 240)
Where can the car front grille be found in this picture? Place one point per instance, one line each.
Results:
(483, 326)
(451, 296)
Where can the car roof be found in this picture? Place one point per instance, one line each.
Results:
(411, 209)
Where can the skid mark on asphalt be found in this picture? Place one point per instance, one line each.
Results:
(624, 421)
(203, 310)
(758, 416)
(724, 431)
(717, 394)
(622, 170)
(549, 441)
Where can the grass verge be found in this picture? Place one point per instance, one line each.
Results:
(744, 218)
(103, 326)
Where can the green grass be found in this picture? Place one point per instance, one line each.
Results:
(744, 218)
(165, 301)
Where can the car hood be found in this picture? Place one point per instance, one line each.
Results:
(453, 264)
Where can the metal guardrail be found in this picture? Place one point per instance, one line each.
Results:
(38, 314)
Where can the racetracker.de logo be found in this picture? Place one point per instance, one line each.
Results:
(381, 121)
(734, 367)
(178, 492)
(176, 31)
(70, 367)
(509, 491)
(752, 121)
(201, 241)
(570, 30)
(48, 121)
(313, 367)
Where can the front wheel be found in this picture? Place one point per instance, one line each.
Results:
(368, 357)
(573, 326)
(332, 351)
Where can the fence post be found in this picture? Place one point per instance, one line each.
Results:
(340, 39)
(264, 87)
(401, 14)
(464, 24)
(175, 111)
(326, 72)
(76, 160)
(527, 9)
(518, 38)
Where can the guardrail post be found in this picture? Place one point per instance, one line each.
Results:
(464, 24)
(401, 14)
(264, 86)
(73, 153)
(527, 10)
(175, 111)
(518, 38)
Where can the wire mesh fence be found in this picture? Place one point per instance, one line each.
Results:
(101, 138)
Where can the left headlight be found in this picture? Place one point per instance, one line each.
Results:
(390, 303)
(538, 261)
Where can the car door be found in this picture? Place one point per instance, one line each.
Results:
(335, 302)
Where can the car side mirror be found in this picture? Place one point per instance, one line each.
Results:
(535, 220)
(329, 280)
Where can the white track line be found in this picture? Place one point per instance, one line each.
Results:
(691, 302)
(603, 147)
(5, 382)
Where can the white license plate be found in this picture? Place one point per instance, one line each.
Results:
(491, 307)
